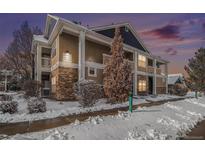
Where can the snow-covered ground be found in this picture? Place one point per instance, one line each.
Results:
(167, 121)
(55, 109)
(64, 108)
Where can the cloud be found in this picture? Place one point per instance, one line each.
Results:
(170, 51)
(203, 26)
(169, 31)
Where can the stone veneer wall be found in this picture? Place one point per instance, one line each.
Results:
(66, 77)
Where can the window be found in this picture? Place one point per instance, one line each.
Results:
(141, 61)
(142, 85)
(92, 72)
(67, 57)
(53, 52)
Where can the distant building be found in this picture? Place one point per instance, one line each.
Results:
(175, 79)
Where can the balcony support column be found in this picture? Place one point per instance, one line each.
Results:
(135, 73)
(81, 57)
(39, 63)
(166, 77)
(154, 78)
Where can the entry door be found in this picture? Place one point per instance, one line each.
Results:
(150, 80)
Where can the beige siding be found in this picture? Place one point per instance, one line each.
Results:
(94, 52)
(98, 78)
(55, 58)
(68, 43)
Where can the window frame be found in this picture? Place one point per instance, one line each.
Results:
(142, 62)
(95, 72)
(142, 85)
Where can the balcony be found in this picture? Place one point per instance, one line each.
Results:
(158, 71)
(150, 69)
(106, 59)
(45, 62)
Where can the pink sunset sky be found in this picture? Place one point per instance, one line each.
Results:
(174, 37)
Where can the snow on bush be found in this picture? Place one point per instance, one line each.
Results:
(5, 97)
(87, 92)
(8, 107)
(31, 88)
(36, 105)
(179, 90)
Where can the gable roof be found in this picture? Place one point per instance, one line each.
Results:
(129, 34)
(175, 78)
(51, 21)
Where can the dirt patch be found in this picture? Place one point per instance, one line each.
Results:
(197, 133)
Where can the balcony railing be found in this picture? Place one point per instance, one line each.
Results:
(150, 69)
(106, 59)
(45, 62)
(158, 71)
(46, 84)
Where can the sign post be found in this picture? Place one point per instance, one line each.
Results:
(130, 101)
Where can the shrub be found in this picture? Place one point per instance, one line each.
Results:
(5, 97)
(179, 90)
(88, 92)
(8, 106)
(32, 88)
(36, 105)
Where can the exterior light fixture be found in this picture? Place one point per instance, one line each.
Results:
(67, 57)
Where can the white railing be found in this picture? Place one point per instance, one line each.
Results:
(46, 84)
(45, 62)
(106, 59)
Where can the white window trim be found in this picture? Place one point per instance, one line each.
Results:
(53, 80)
(142, 61)
(142, 85)
(95, 72)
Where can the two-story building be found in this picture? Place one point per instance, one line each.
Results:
(68, 52)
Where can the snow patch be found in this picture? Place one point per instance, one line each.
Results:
(180, 126)
(146, 134)
(95, 120)
(59, 135)
(195, 102)
(124, 115)
(174, 107)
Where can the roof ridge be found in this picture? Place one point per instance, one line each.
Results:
(108, 25)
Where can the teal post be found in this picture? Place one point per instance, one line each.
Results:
(130, 101)
(196, 94)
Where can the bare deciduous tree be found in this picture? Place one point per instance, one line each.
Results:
(19, 53)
